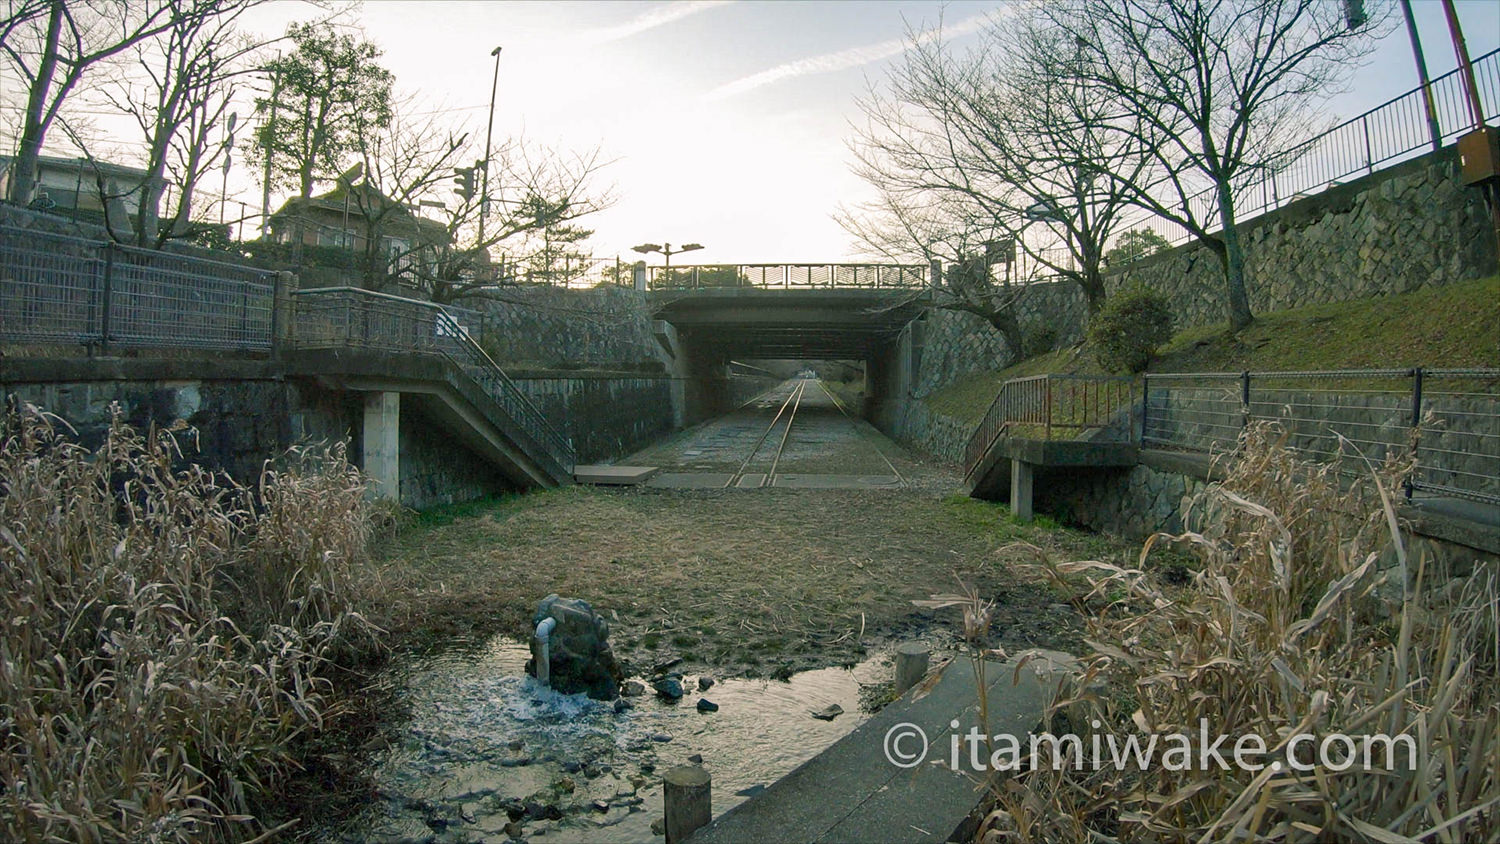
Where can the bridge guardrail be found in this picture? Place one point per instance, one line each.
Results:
(1047, 407)
(789, 276)
(57, 289)
(347, 317)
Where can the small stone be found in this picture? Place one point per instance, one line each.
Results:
(705, 683)
(669, 689)
(661, 737)
(706, 705)
(696, 758)
(572, 767)
(648, 767)
(633, 688)
(600, 805)
(566, 785)
(829, 712)
(516, 762)
(621, 705)
(659, 826)
(514, 829)
(517, 744)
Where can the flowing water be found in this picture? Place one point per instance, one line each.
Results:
(487, 748)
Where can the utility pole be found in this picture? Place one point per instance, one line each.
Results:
(1465, 67)
(1416, 49)
(489, 131)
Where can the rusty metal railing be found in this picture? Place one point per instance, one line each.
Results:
(789, 276)
(1048, 407)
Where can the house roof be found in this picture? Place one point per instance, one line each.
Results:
(430, 231)
(57, 162)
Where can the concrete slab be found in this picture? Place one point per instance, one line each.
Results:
(853, 791)
(614, 475)
(690, 480)
(837, 481)
(752, 481)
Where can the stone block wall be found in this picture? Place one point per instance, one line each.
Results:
(555, 328)
(437, 470)
(607, 415)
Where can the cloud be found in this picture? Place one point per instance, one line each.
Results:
(841, 60)
(659, 15)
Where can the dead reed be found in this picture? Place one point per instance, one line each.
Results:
(167, 631)
(1307, 616)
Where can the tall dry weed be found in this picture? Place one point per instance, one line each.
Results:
(166, 630)
(1307, 616)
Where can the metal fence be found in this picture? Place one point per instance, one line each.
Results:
(1450, 416)
(60, 289)
(789, 276)
(1391, 132)
(1047, 407)
(347, 317)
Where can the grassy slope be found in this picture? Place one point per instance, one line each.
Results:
(1457, 325)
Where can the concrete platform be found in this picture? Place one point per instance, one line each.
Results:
(852, 792)
(837, 481)
(690, 480)
(614, 475)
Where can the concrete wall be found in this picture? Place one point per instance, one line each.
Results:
(437, 470)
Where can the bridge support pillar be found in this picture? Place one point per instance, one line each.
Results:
(382, 444)
(1020, 489)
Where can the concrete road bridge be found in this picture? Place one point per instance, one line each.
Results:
(710, 314)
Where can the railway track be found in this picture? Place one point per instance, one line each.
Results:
(761, 466)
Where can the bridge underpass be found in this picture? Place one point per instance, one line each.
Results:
(862, 314)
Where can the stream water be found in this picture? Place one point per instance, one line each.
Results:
(489, 755)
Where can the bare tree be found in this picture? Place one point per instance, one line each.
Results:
(180, 100)
(1214, 93)
(53, 49)
(406, 167)
(1001, 142)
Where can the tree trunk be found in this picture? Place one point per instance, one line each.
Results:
(34, 130)
(1234, 262)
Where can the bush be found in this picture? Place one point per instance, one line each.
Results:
(1128, 330)
(1039, 341)
(168, 632)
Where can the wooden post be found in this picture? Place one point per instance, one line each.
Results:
(911, 665)
(688, 798)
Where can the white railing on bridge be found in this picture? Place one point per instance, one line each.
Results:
(790, 276)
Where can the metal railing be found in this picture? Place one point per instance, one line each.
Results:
(347, 317)
(60, 289)
(1047, 407)
(1393, 131)
(1450, 416)
(789, 276)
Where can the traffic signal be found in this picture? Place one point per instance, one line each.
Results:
(464, 176)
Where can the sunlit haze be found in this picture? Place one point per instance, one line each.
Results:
(726, 122)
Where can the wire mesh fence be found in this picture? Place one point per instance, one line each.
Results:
(1450, 417)
(56, 289)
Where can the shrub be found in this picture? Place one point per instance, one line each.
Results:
(1039, 341)
(168, 631)
(1129, 328)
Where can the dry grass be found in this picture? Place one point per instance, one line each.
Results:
(754, 582)
(1305, 618)
(167, 631)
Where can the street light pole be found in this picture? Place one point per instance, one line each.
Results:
(484, 179)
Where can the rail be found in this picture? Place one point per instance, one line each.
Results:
(347, 317)
(1451, 417)
(58, 289)
(1047, 407)
(1393, 131)
(789, 276)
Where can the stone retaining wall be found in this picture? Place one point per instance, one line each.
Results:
(607, 416)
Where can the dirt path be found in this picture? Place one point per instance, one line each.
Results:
(739, 582)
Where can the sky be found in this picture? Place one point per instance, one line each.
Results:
(726, 123)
